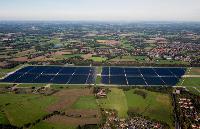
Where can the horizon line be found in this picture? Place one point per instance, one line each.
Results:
(125, 21)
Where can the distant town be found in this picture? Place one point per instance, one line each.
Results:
(142, 44)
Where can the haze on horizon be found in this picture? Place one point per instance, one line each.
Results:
(102, 10)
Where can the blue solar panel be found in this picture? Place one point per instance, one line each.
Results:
(68, 70)
(25, 69)
(119, 80)
(178, 71)
(78, 79)
(132, 72)
(12, 77)
(92, 71)
(37, 70)
(170, 80)
(116, 71)
(148, 72)
(136, 81)
(105, 71)
(52, 70)
(83, 70)
(90, 79)
(26, 78)
(61, 79)
(105, 79)
(154, 81)
(44, 79)
(163, 72)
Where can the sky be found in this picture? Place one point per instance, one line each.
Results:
(101, 10)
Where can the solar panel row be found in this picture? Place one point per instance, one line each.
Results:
(139, 72)
(122, 80)
(55, 70)
(141, 76)
(53, 74)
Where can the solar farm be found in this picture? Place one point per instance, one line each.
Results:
(53, 74)
(144, 76)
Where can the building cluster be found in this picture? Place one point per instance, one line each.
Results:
(190, 112)
(101, 93)
(176, 51)
(113, 121)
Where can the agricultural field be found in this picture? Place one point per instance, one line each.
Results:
(152, 106)
(85, 102)
(191, 83)
(155, 105)
(17, 109)
(193, 71)
(192, 80)
(116, 99)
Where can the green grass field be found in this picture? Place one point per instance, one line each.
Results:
(189, 81)
(98, 80)
(85, 102)
(20, 109)
(3, 119)
(47, 125)
(116, 99)
(71, 55)
(160, 61)
(98, 59)
(155, 105)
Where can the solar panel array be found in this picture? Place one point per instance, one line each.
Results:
(141, 76)
(87, 75)
(53, 74)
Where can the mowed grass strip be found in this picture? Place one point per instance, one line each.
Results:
(5, 85)
(155, 105)
(98, 80)
(116, 99)
(31, 85)
(21, 109)
(85, 102)
(47, 125)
